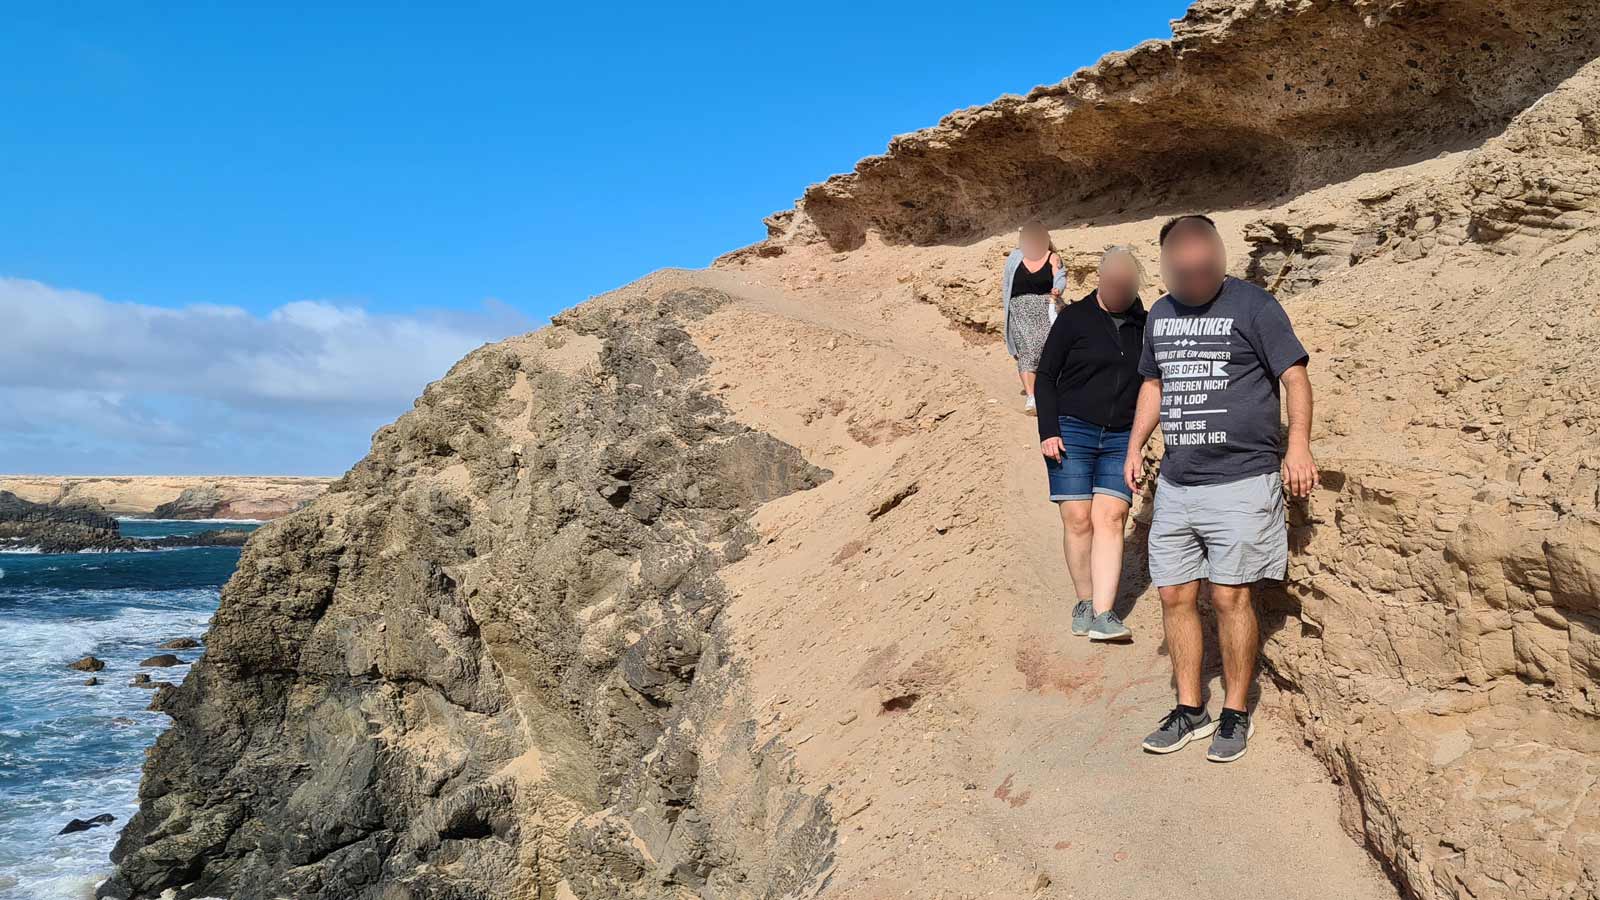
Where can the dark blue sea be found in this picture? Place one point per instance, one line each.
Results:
(72, 751)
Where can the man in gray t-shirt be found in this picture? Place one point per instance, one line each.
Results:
(1218, 354)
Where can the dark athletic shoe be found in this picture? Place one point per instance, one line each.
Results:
(1082, 616)
(1108, 627)
(1233, 733)
(1177, 730)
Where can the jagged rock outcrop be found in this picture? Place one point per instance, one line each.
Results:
(487, 663)
(1250, 100)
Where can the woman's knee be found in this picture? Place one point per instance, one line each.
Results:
(1109, 518)
(1077, 518)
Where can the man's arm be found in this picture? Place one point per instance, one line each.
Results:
(1146, 416)
(1299, 469)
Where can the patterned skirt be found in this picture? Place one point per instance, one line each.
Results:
(1030, 325)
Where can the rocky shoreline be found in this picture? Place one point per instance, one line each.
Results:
(39, 528)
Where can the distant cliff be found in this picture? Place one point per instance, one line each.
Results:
(171, 497)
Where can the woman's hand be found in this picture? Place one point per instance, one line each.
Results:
(1053, 448)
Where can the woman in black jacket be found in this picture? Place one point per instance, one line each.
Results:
(1087, 387)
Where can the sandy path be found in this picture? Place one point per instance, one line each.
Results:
(920, 661)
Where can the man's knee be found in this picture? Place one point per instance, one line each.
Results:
(1179, 596)
(1230, 599)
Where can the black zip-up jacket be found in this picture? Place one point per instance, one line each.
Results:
(1090, 367)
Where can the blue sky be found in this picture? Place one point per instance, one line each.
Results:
(363, 178)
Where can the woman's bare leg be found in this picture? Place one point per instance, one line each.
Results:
(1027, 382)
(1077, 530)
(1109, 517)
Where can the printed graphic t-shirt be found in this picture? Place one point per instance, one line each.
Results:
(1219, 366)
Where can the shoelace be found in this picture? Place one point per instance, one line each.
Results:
(1174, 721)
(1230, 721)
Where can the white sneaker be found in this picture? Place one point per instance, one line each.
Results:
(1030, 408)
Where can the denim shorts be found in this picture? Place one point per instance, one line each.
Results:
(1092, 464)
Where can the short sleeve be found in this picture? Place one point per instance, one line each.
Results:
(1147, 357)
(1275, 339)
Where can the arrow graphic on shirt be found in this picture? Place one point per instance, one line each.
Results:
(1195, 368)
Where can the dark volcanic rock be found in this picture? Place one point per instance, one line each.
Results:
(90, 681)
(182, 643)
(162, 660)
(469, 672)
(220, 537)
(87, 664)
(141, 679)
(73, 529)
(54, 529)
(77, 825)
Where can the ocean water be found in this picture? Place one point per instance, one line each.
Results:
(72, 751)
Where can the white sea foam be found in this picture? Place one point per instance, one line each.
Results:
(195, 521)
(21, 549)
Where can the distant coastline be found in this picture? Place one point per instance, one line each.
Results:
(239, 498)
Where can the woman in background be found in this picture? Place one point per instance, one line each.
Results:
(1033, 280)
(1088, 386)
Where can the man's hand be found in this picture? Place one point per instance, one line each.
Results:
(1053, 448)
(1133, 469)
(1299, 472)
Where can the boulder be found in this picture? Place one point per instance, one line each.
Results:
(87, 664)
(77, 825)
(162, 661)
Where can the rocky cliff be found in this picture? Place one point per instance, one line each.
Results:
(742, 583)
(171, 497)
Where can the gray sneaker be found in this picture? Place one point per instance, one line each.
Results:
(1108, 627)
(1233, 733)
(1082, 617)
(1177, 730)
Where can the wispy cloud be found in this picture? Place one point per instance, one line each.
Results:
(95, 386)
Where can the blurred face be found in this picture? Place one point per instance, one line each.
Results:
(1193, 262)
(1119, 284)
(1035, 244)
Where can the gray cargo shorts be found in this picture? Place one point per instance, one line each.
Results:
(1231, 533)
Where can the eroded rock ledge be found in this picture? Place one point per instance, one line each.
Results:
(487, 663)
(1250, 100)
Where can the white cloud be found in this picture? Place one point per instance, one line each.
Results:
(91, 385)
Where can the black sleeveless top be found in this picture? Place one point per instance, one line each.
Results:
(1024, 282)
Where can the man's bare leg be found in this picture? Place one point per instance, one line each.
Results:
(1240, 639)
(1180, 614)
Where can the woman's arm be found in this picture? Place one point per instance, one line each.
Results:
(1058, 284)
(1051, 361)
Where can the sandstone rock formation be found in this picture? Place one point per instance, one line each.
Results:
(741, 584)
(1250, 100)
(171, 497)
